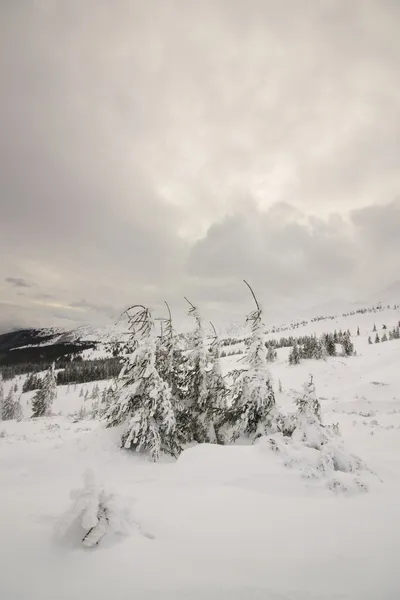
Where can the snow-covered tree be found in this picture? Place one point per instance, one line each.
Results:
(271, 353)
(44, 397)
(143, 401)
(8, 407)
(217, 391)
(253, 400)
(1, 396)
(294, 356)
(172, 365)
(347, 345)
(199, 426)
(94, 513)
(308, 426)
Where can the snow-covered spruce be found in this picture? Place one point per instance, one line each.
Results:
(308, 427)
(172, 366)
(252, 412)
(94, 513)
(294, 356)
(1, 396)
(217, 391)
(44, 397)
(197, 415)
(143, 401)
(11, 408)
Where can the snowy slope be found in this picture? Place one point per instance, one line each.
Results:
(235, 522)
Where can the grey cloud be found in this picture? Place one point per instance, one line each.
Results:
(289, 255)
(18, 282)
(90, 306)
(130, 130)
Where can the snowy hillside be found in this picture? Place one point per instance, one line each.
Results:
(261, 521)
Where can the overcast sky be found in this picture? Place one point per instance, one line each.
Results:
(168, 147)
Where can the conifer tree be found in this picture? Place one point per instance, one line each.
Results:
(308, 426)
(253, 407)
(330, 344)
(18, 415)
(217, 391)
(1, 396)
(271, 353)
(294, 356)
(384, 337)
(369, 340)
(44, 397)
(358, 331)
(197, 398)
(143, 400)
(377, 339)
(8, 408)
(319, 350)
(347, 345)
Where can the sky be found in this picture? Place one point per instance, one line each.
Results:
(151, 150)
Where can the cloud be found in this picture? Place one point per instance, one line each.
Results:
(19, 282)
(160, 148)
(292, 257)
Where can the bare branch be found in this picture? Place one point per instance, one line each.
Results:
(253, 294)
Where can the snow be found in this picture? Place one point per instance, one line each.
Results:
(233, 522)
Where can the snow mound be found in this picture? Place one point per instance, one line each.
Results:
(275, 465)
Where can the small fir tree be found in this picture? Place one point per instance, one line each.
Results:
(217, 391)
(45, 396)
(197, 399)
(253, 408)
(271, 353)
(294, 356)
(347, 345)
(377, 339)
(8, 409)
(1, 396)
(308, 426)
(143, 401)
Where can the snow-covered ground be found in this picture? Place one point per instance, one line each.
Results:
(221, 522)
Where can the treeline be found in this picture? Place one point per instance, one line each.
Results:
(321, 347)
(393, 334)
(84, 371)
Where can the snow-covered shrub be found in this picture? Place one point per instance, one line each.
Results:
(94, 513)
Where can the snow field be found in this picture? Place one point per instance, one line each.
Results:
(222, 521)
